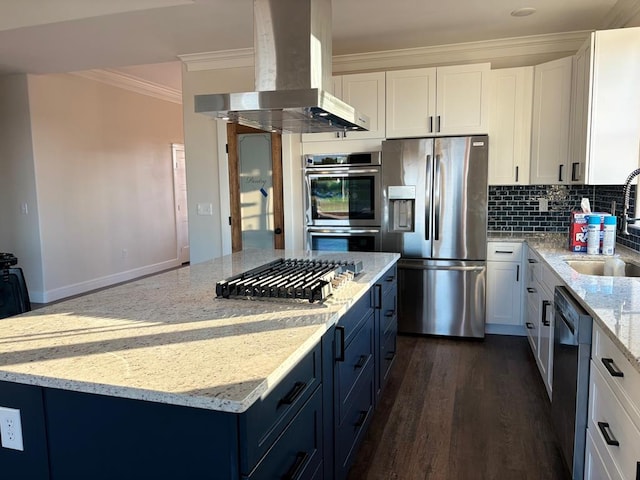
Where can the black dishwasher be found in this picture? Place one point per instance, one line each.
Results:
(570, 393)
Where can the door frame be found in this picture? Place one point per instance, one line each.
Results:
(235, 218)
(180, 203)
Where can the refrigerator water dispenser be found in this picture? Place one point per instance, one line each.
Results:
(402, 199)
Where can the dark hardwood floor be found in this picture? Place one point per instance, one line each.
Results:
(461, 409)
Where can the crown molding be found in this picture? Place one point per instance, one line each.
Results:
(241, 57)
(502, 52)
(621, 14)
(506, 51)
(133, 84)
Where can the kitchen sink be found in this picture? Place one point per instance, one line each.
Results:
(596, 267)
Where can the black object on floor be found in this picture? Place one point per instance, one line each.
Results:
(14, 296)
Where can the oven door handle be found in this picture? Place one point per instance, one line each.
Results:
(342, 232)
(341, 172)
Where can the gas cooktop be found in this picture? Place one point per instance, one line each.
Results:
(305, 279)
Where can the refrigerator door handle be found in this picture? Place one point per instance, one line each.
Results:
(427, 202)
(459, 268)
(436, 200)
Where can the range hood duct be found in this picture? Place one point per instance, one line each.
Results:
(292, 49)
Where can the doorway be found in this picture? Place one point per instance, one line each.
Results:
(180, 201)
(255, 188)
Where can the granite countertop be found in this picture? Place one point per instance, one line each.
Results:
(167, 338)
(613, 302)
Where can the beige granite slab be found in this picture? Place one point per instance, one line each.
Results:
(169, 339)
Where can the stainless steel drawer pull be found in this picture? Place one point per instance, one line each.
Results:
(296, 469)
(605, 429)
(611, 367)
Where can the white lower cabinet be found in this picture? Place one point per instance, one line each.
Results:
(613, 427)
(596, 467)
(539, 323)
(504, 284)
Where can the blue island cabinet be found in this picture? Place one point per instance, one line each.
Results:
(309, 426)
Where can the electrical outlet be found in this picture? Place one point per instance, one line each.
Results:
(543, 205)
(10, 428)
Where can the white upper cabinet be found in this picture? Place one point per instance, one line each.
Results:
(438, 101)
(411, 102)
(462, 100)
(511, 99)
(605, 129)
(551, 117)
(365, 92)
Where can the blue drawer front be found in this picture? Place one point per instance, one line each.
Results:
(267, 418)
(358, 359)
(297, 453)
(350, 432)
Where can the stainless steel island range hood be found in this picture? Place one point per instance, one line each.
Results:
(292, 49)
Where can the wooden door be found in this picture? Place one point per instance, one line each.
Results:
(236, 176)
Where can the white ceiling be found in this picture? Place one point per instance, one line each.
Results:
(45, 36)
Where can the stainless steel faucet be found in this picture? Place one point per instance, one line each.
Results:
(626, 192)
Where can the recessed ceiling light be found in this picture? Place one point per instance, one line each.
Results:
(523, 12)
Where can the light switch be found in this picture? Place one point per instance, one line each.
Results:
(205, 209)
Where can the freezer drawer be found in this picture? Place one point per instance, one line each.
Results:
(441, 297)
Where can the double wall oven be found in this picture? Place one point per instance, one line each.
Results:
(343, 205)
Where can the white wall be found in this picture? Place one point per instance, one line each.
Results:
(104, 179)
(206, 175)
(19, 229)
(203, 157)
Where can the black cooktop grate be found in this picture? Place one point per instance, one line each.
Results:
(312, 280)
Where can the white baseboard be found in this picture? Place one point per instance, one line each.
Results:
(83, 287)
(496, 329)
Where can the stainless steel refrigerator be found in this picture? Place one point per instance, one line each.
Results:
(435, 216)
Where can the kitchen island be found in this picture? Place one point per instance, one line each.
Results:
(157, 376)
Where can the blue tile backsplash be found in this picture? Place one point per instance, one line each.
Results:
(516, 207)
